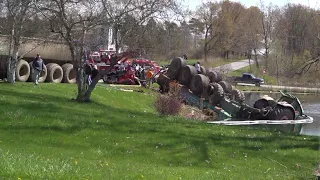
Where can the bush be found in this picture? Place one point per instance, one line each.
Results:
(168, 105)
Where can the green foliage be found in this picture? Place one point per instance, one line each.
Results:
(45, 135)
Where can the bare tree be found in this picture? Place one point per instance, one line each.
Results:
(253, 32)
(268, 20)
(17, 12)
(207, 21)
(141, 10)
(72, 20)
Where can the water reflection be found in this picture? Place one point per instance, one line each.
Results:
(310, 104)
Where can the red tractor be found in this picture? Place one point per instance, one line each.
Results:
(128, 70)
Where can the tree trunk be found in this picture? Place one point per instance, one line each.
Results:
(205, 52)
(13, 58)
(256, 58)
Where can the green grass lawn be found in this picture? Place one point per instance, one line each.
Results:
(45, 135)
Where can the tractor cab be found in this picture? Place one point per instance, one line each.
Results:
(293, 101)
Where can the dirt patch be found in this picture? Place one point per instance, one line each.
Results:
(190, 112)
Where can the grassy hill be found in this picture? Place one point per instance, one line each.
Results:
(45, 135)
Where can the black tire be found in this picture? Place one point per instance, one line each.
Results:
(163, 82)
(257, 84)
(261, 103)
(203, 70)
(175, 67)
(199, 84)
(186, 74)
(217, 95)
(214, 76)
(55, 73)
(281, 113)
(227, 88)
(43, 74)
(3, 66)
(237, 95)
(69, 74)
(22, 71)
(210, 90)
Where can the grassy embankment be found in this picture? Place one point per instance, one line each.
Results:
(45, 135)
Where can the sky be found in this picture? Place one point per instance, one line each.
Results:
(311, 3)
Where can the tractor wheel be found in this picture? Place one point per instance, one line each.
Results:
(226, 86)
(210, 90)
(203, 70)
(261, 103)
(199, 84)
(175, 67)
(237, 95)
(69, 74)
(281, 113)
(55, 73)
(186, 75)
(214, 76)
(217, 95)
(22, 71)
(43, 74)
(163, 82)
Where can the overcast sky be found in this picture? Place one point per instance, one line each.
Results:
(312, 3)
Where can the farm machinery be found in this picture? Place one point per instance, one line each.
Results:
(125, 71)
(207, 91)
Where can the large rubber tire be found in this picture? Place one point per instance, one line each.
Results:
(42, 77)
(203, 70)
(163, 82)
(217, 95)
(69, 74)
(261, 103)
(237, 95)
(3, 66)
(175, 66)
(227, 88)
(22, 71)
(281, 113)
(55, 73)
(199, 84)
(214, 76)
(186, 74)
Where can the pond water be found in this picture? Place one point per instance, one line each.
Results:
(310, 104)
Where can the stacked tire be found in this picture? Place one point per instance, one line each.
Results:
(55, 73)
(69, 74)
(22, 71)
(207, 84)
(42, 77)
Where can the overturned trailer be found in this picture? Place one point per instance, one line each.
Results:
(206, 90)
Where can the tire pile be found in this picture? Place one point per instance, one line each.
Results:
(52, 72)
(208, 84)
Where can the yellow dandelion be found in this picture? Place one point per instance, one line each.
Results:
(19, 178)
(76, 162)
(142, 176)
(107, 164)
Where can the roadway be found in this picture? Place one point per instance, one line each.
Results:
(234, 66)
